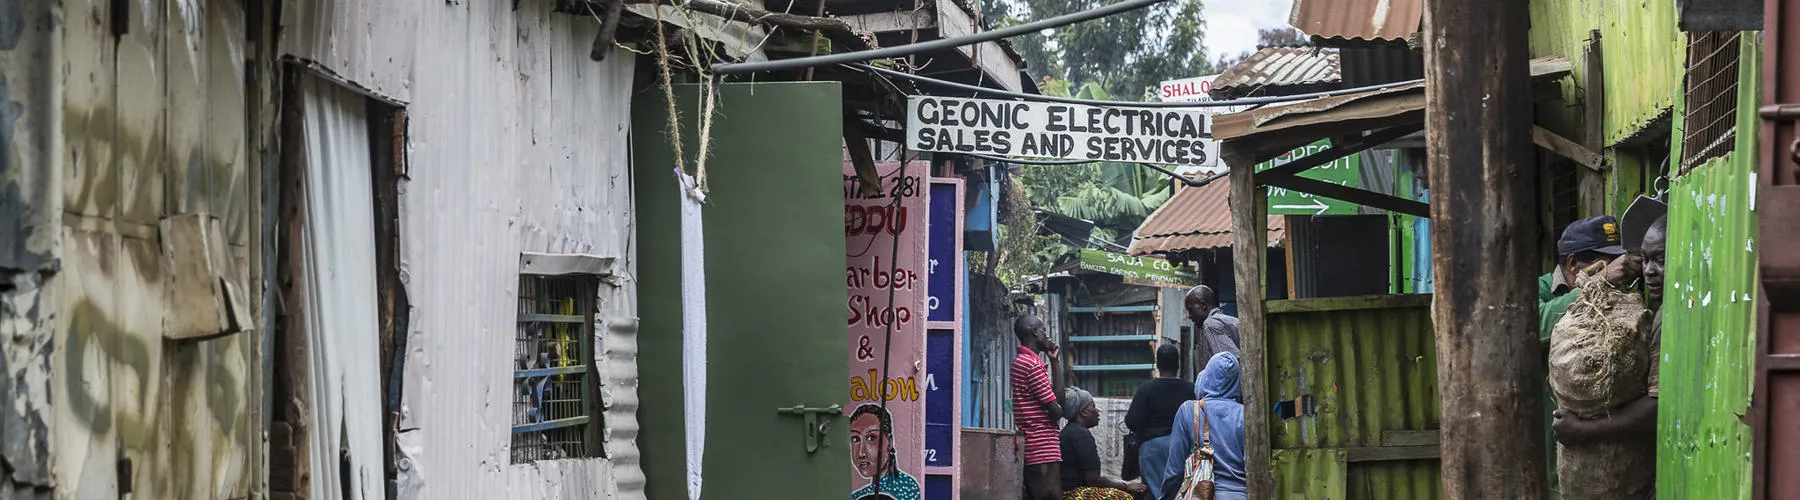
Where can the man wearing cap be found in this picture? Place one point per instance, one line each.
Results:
(1583, 244)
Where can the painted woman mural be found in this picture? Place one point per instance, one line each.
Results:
(871, 449)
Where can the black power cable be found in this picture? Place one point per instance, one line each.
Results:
(1094, 102)
(939, 44)
(1178, 177)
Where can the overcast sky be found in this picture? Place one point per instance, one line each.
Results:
(1231, 25)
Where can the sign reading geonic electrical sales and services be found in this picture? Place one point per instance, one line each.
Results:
(1061, 131)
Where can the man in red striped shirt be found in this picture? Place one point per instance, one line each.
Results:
(1036, 409)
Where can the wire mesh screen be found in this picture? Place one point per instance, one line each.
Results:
(553, 413)
(1711, 97)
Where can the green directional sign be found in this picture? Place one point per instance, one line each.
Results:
(1146, 270)
(1346, 171)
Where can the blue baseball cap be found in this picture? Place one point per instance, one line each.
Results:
(1593, 234)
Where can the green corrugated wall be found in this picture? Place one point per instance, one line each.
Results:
(1709, 315)
(1641, 55)
(1371, 364)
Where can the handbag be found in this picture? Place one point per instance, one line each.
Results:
(1197, 482)
(1128, 468)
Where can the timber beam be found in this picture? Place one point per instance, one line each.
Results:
(1566, 148)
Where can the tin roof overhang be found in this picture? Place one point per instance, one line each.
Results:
(988, 64)
(1269, 131)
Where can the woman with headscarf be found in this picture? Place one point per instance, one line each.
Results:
(1223, 417)
(1081, 479)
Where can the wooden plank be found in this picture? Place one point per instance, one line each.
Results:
(545, 372)
(1563, 147)
(1410, 438)
(1111, 338)
(1115, 368)
(555, 318)
(1350, 194)
(1391, 453)
(1590, 186)
(1112, 309)
(553, 424)
(1483, 187)
(1349, 303)
(1249, 234)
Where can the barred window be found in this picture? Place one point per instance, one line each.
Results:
(555, 415)
(1711, 97)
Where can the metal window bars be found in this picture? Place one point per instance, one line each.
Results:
(553, 411)
(1711, 97)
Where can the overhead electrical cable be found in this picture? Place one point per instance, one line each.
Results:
(1095, 102)
(939, 44)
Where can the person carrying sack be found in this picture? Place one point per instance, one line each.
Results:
(1208, 438)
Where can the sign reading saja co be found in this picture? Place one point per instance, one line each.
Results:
(1061, 131)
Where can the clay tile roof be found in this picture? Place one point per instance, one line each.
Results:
(1195, 218)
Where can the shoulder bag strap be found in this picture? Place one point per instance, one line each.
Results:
(1205, 425)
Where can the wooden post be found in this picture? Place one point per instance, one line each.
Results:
(1478, 135)
(1249, 248)
(1591, 183)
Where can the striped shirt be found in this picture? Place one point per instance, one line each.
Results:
(1030, 392)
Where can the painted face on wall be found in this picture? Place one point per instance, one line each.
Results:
(867, 444)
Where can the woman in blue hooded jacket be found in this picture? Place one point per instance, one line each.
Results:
(1218, 386)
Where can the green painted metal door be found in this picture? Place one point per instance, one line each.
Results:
(774, 291)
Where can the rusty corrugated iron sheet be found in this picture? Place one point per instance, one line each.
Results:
(1368, 20)
(1280, 71)
(1370, 366)
(1195, 218)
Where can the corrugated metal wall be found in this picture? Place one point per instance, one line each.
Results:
(127, 129)
(1709, 315)
(517, 142)
(1370, 363)
(1641, 51)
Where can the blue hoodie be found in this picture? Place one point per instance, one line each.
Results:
(1218, 386)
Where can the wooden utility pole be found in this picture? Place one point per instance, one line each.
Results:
(1478, 134)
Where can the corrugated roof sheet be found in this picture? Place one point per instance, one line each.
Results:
(1195, 218)
(1269, 70)
(1358, 19)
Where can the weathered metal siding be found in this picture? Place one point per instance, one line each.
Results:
(30, 222)
(517, 142)
(1709, 316)
(1641, 51)
(1371, 364)
(141, 126)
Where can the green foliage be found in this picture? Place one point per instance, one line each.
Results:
(1127, 54)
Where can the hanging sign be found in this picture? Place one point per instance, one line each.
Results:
(1147, 270)
(1180, 137)
(885, 274)
(1344, 171)
(1186, 89)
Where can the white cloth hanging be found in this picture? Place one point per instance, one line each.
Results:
(338, 296)
(693, 328)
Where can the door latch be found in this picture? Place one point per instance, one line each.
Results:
(817, 421)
